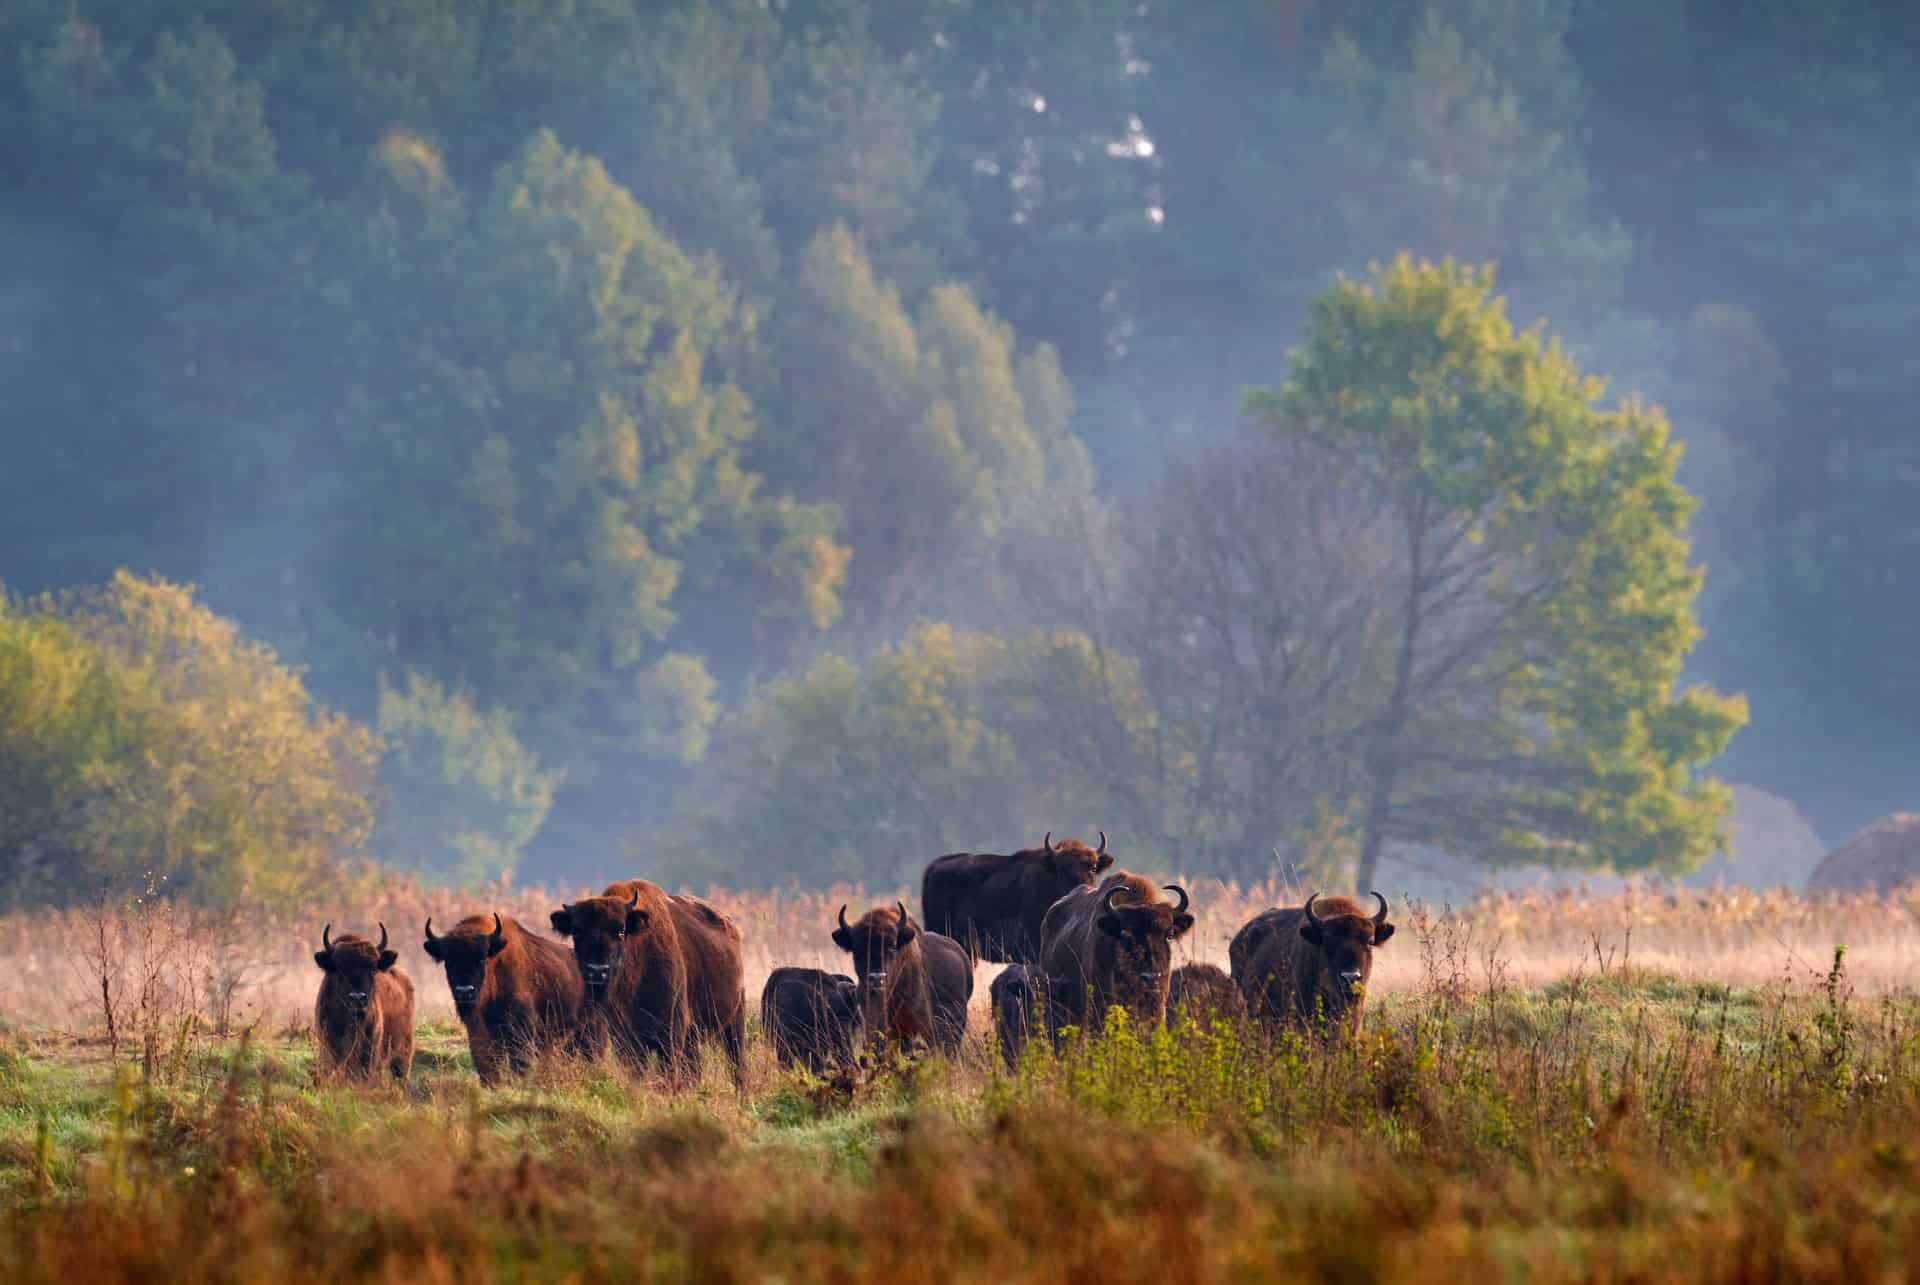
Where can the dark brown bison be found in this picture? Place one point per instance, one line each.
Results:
(914, 985)
(992, 903)
(1111, 945)
(518, 995)
(662, 973)
(1017, 994)
(811, 1017)
(363, 1017)
(1205, 995)
(1304, 965)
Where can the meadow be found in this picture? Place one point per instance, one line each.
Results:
(1656, 1085)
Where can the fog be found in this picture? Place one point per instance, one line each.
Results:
(815, 431)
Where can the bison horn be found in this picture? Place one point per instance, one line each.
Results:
(1180, 909)
(429, 927)
(1380, 918)
(1106, 902)
(634, 900)
(499, 929)
(843, 917)
(904, 918)
(1047, 843)
(1311, 917)
(1103, 844)
(383, 936)
(326, 940)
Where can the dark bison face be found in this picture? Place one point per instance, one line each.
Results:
(1143, 937)
(354, 960)
(465, 957)
(1347, 941)
(601, 928)
(1074, 863)
(873, 940)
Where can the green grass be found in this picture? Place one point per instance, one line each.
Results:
(1633, 1126)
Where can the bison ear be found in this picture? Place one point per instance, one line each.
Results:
(843, 939)
(495, 945)
(636, 921)
(1105, 860)
(562, 920)
(432, 947)
(906, 934)
(1181, 923)
(1381, 932)
(324, 959)
(1112, 925)
(388, 958)
(1311, 931)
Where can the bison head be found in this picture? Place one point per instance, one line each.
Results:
(464, 954)
(601, 928)
(1073, 862)
(1346, 937)
(874, 940)
(355, 961)
(1142, 933)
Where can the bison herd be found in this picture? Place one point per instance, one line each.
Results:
(657, 976)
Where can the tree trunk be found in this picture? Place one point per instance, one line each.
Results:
(1393, 724)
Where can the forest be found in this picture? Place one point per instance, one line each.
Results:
(759, 441)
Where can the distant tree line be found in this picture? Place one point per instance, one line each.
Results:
(764, 438)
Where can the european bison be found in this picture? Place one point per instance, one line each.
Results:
(1300, 966)
(664, 972)
(810, 1016)
(1111, 945)
(364, 1014)
(992, 903)
(1016, 993)
(914, 985)
(1205, 994)
(518, 995)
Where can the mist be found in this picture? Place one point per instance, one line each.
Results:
(787, 442)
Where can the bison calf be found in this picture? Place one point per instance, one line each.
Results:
(1303, 966)
(363, 1017)
(914, 985)
(1111, 945)
(811, 1017)
(1205, 995)
(992, 902)
(664, 972)
(1016, 993)
(518, 995)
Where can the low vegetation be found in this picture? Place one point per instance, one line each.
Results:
(1607, 1123)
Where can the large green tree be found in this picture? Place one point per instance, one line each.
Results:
(1545, 604)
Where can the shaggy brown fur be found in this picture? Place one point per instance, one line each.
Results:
(914, 985)
(517, 994)
(1309, 972)
(663, 972)
(363, 1016)
(811, 1017)
(1205, 994)
(992, 903)
(1111, 945)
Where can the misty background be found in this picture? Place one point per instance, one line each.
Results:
(743, 441)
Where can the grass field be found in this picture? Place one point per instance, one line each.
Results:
(1639, 1088)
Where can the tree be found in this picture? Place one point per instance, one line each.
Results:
(1545, 602)
(463, 796)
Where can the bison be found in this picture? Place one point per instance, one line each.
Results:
(1111, 945)
(914, 985)
(518, 995)
(992, 903)
(811, 1016)
(1016, 993)
(363, 1017)
(1205, 995)
(1298, 966)
(662, 972)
